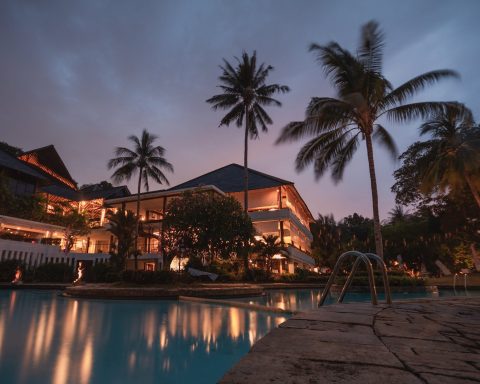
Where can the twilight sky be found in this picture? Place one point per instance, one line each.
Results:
(83, 75)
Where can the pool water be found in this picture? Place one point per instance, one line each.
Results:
(308, 299)
(45, 338)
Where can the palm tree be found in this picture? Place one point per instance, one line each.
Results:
(268, 247)
(364, 95)
(451, 158)
(244, 95)
(122, 225)
(147, 160)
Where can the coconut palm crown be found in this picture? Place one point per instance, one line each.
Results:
(145, 159)
(245, 94)
(336, 125)
(451, 157)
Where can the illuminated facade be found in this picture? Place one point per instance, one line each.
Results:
(275, 207)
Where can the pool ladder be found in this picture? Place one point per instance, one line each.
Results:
(359, 257)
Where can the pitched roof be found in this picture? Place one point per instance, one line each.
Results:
(49, 162)
(230, 178)
(109, 193)
(61, 190)
(11, 162)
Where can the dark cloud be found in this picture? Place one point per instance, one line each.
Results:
(84, 75)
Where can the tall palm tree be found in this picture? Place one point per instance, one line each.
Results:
(451, 158)
(146, 159)
(245, 94)
(364, 95)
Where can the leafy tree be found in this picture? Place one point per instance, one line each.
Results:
(147, 160)
(101, 186)
(449, 160)
(326, 244)
(75, 225)
(211, 227)
(122, 225)
(364, 95)
(268, 247)
(14, 151)
(357, 233)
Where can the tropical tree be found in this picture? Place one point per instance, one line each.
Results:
(245, 94)
(326, 244)
(268, 247)
(122, 225)
(212, 227)
(364, 96)
(75, 225)
(146, 159)
(451, 158)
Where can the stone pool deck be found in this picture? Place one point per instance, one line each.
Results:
(418, 341)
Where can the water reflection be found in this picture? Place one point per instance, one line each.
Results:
(46, 338)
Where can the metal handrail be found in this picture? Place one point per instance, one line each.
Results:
(359, 257)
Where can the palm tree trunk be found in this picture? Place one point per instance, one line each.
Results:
(245, 166)
(245, 192)
(138, 218)
(373, 182)
(474, 191)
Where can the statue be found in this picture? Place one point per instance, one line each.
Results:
(18, 276)
(80, 270)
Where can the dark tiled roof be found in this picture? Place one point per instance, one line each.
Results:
(11, 162)
(70, 194)
(49, 157)
(61, 190)
(230, 179)
(110, 193)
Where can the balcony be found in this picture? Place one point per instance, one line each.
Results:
(281, 214)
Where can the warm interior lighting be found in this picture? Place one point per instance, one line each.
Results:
(32, 158)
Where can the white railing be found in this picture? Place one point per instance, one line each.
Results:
(33, 254)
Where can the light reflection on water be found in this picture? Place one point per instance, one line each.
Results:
(308, 299)
(49, 339)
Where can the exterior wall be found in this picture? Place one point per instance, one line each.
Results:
(279, 212)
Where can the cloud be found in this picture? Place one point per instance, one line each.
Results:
(85, 75)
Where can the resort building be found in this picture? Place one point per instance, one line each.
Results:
(275, 207)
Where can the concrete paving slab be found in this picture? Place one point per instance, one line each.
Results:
(422, 341)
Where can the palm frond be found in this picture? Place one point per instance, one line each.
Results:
(370, 51)
(343, 158)
(413, 86)
(423, 110)
(384, 138)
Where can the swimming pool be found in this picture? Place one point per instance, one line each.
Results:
(45, 338)
(307, 299)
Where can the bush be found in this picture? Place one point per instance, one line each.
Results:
(54, 273)
(99, 271)
(8, 268)
(258, 275)
(149, 277)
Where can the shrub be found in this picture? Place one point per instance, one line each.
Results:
(148, 277)
(99, 271)
(54, 273)
(8, 268)
(258, 275)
